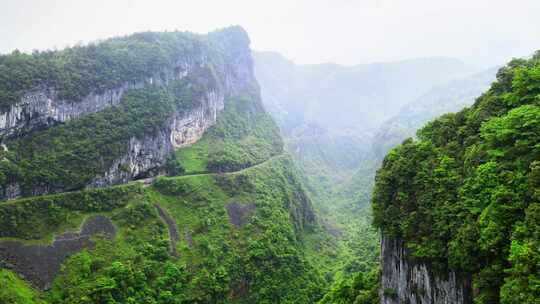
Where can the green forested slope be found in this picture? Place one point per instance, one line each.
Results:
(259, 262)
(232, 206)
(16, 291)
(329, 114)
(76, 72)
(466, 195)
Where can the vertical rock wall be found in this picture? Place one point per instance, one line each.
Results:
(227, 54)
(145, 157)
(404, 281)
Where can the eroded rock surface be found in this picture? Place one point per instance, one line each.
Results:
(404, 281)
(39, 264)
(146, 155)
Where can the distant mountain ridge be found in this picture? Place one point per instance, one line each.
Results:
(446, 98)
(330, 114)
(357, 97)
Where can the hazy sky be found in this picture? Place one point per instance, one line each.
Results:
(306, 31)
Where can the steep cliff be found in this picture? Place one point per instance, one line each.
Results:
(60, 86)
(218, 214)
(406, 281)
(189, 93)
(457, 208)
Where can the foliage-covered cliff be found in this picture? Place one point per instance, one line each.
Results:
(458, 208)
(169, 184)
(131, 101)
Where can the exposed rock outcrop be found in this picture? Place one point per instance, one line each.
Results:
(404, 281)
(223, 64)
(40, 263)
(41, 107)
(146, 156)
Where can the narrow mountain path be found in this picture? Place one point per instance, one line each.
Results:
(233, 172)
(148, 181)
(174, 236)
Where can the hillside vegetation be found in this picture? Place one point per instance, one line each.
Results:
(337, 122)
(466, 194)
(76, 72)
(226, 224)
(219, 262)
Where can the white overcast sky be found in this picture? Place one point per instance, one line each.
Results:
(482, 32)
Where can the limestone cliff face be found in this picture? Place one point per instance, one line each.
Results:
(404, 281)
(146, 156)
(226, 53)
(41, 107)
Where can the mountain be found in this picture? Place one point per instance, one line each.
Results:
(445, 98)
(459, 206)
(329, 116)
(441, 99)
(347, 97)
(144, 169)
(339, 156)
(329, 113)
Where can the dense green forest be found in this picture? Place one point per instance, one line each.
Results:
(259, 262)
(466, 194)
(230, 218)
(337, 122)
(76, 72)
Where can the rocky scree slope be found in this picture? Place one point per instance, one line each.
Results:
(458, 208)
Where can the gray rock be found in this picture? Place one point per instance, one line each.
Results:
(39, 264)
(41, 107)
(404, 281)
(145, 157)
